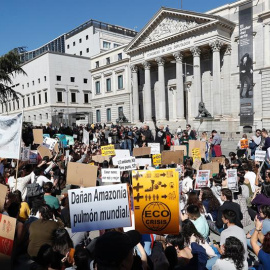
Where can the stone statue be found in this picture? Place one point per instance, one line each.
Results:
(122, 118)
(202, 111)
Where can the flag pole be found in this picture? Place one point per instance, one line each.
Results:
(17, 168)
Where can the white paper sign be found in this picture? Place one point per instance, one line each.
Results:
(144, 161)
(202, 179)
(49, 143)
(232, 181)
(109, 140)
(75, 136)
(111, 175)
(126, 164)
(155, 148)
(25, 153)
(85, 137)
(120, 153)
(260, 155)
(33, 157)
(98, 208)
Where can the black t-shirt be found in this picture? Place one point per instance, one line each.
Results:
(160, 136)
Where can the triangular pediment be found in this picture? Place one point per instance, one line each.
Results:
(170, 22)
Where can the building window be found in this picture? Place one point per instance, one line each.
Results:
(86, 98)
(97, 87)
(46, 97)
(115, 45)
(34, 100)
(73, 97)
(38, 80)
(106, 45)
(27, 84)
(108, 61)
(97, 64)
(80, 40)
(120, 56)
(40, 116)
(18, 104)
(58, 78)
(98, 120)
(35, 117)
(9, 107)
(86, 37)
(87, 50)
(72, 79)
(29, 118)
(85, 80)
(120, 82)
(108, 85)
(33, 83)
(81, 53)
(68, 46)
(22, 86)
(28, 101)
(39, 98)
(109, 117)
(47, 116)
(23, 103)
(13, 105)
(120, 112)
(59, 97)
(74, 43)
(45, 78)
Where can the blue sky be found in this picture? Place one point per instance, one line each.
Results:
(33, 23)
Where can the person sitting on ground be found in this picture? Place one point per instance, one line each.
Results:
(194, 199)
(24, 207)
(261, 196)
(49, 199)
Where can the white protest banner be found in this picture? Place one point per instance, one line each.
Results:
(49, 143)
(126, 164)
(25, 153)
(143, 161)
(120, 153)
(85, 137)
(111, 175)
(109, 140)
(155, 148)
(202, 179)
(33, 157)
(260, 155)
(232, 181)
(10, 134)
(98, 208)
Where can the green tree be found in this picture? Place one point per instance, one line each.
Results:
(10, 66)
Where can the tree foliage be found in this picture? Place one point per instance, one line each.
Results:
(10, 66)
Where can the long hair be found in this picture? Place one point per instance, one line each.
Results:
(207, 194)
(266, 190)
(234, 250)
(189, 229)
(194, 199)
(266, 243)
(62, 241)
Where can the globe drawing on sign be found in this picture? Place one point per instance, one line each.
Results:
(156, 216)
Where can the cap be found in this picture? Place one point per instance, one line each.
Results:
(113, 247)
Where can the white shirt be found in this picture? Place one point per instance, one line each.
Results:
(251, 176)
(40, 180)
(21, 184)
(227, 264)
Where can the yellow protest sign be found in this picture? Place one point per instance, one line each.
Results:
(244, 143)
(156, 201)
(196, 154)
(108, 150)
(156, 159)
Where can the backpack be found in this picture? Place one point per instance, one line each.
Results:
(34, 189)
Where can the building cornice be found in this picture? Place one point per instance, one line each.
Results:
(126, 60)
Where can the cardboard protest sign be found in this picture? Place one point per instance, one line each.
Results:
(244, 143)
(202, 179)
(56, 148)
(126, 164)
(196, 153)
(3, 193)
(232, 181)
(108, 150)
(81, 174)
(7, 232)
(197, 144)
(49, 143)
(179, 147)
(38, 136)
(196, 164)
(220, 160)
(213, 167)
(33, 157)
(260, 155)
(141, 151)
(100, 158)
(99, 208)
(44, 151)
(111, 175)
(156, 201)
(156, 159)
(155, 148)
(143, 161)
(168, 157)
(25, 153)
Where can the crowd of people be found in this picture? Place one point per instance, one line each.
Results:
(213, 221)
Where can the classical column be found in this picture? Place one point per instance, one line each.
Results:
(197, 92)
(217, 109)
(135, 93)
(161, 113)
(228, 92)
(147, 98)
(179, 86)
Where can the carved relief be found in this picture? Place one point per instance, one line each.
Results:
(216, 45)
(178, 57)
(228, 49)
(160, 61)
(134, 69)
(195, 51)
(146, 65)
(167, 27)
